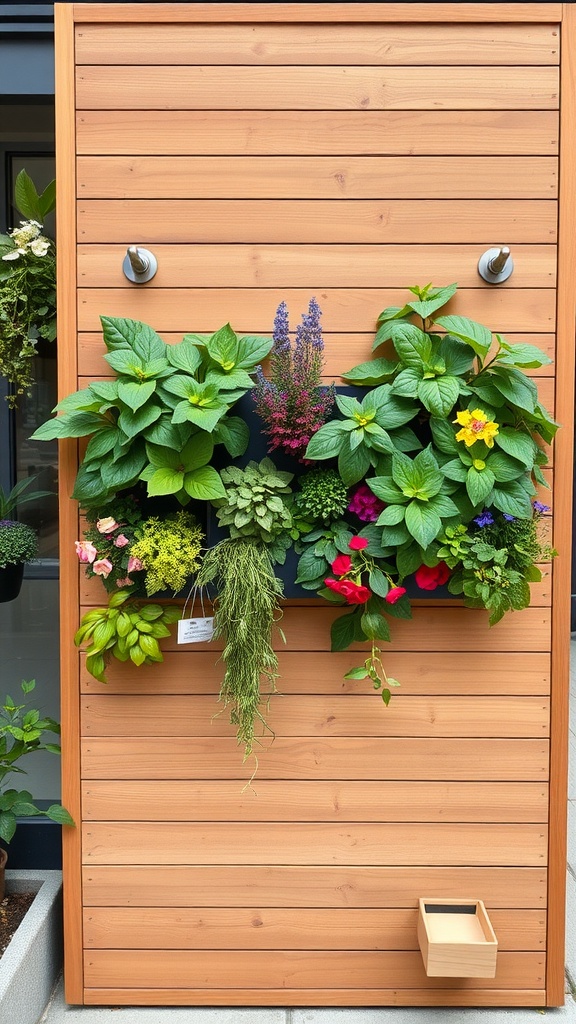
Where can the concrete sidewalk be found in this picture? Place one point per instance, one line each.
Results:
(58, 1012)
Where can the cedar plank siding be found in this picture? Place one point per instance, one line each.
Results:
(270, 152)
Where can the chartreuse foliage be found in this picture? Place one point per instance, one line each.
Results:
(159, 420)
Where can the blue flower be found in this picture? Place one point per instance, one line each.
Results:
(484, 519)
(539, 507)
(509, 519)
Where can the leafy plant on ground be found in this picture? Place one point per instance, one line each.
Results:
(23, 731)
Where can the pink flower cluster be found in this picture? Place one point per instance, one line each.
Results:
(364, 504)
(88, 552)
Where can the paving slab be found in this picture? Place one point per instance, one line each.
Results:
(437, 1015)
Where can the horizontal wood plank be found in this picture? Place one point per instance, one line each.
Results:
(304, 970)
(322, 177)
(253, 310)
(298, 12)
(316, 801)
(488, 672)
(326, 44)
(316, 88)
(514, 717)
(392, 758)
(299, 886)
(341, 352)
(480, 221)
(170, 928)
(311, 266)
(317, 997)
(371, 132)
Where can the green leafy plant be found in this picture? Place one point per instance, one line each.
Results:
(27, 287)
(246, 609)
(23, 731)
(322, 496)
(255, 506)
(160, 419)
(125, 630)
(18, 543)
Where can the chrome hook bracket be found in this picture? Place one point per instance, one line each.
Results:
(139, 265)
(496, 265)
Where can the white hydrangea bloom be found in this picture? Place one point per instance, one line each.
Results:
(14, 254)
(28, 230)
(39, 246)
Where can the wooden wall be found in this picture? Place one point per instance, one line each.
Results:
(270, 152)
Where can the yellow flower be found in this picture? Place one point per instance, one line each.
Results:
(475, 427)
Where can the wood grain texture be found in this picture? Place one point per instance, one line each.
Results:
(317, 997)
(68, 514)
(211, 758)
(340, 12)
(316, 88)
(316, 801)
(341, 352)
(487, 673)
(370, 132)
(285, 44)
(266, 968)
(513, 717)
(345, 309)
(480, 221)
(183, 928)
(312, 266)
(317, 177)
(563, 529)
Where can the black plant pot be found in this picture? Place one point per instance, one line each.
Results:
(11, 581)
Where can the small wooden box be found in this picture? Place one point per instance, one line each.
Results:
(456, 939)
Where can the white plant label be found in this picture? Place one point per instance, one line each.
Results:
(195, 631)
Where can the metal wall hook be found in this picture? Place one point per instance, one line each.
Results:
(139, 265)
(496, 265)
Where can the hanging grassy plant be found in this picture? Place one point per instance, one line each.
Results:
(246, 610)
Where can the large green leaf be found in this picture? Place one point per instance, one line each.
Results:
(133, 423)
(432, 299)
(392, 515)
(517, 444)
(222, 347)
(439, 395)
(125, 363)
(47, 199)
(422, 522)
(342, 632)
(78, 424)
(26, 198)
(203, 417)
(165, 481)
(198, 451)
(478, 337)
(311, 567)
(385, 489)
(184, 356)
(479, 484)
(375, 371)
(407, 382)
(512, 499)
(516, 387)
(352, 465)
(135, 394)
(458, 358)
(349, 407)
(528, 357)
(122, 333)
(89, 486)
(444, 436)
(227, 380)
(375, 627)
(162, 457)
(124, 471)
(234, 433)
(167, 434)
(252, 349)
(326, 442)
(505, 468)
(412, 344)
(204, 484)
(101, 443)
(420, 477)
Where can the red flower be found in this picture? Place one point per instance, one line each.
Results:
(394, 594)
(429, 577)
(358, 543)
(341, 565)
(353, 592)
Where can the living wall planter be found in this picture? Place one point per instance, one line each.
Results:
(271, 153)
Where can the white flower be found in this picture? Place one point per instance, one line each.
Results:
(14, 254)
(39, 246)
(28, 230)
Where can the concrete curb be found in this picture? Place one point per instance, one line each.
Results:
(33, 959)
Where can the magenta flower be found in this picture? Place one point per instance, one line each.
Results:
(394, 594)
(341, 565)
(102, 567)
(358, 543)
(365, 504)
(121, 541)
(85, 550)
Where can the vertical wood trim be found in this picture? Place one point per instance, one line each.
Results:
(69, 596)
(562, 519)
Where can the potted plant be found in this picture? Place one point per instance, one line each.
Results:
(18, 541)
(27, 287)
(23, 731)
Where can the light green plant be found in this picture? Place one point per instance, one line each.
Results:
(22, 731)
(254, 505)
(168, 550)
(322, 496)
(161, 417)
(246, 609)
(126, 630)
